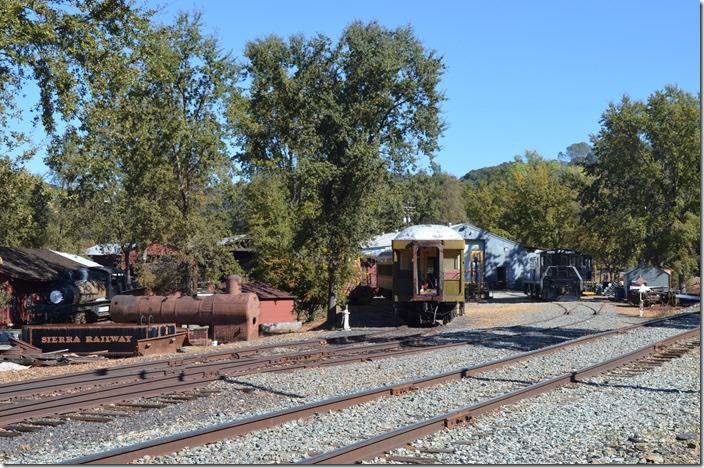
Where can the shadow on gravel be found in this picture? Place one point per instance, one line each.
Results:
(515, 338)
(637, 387)
(529, 337)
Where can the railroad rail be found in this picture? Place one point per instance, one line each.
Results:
(380, 444)
(171, 381)
(157, 378)
(173, 443)
(141, 370)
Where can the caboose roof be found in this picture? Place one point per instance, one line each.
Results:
(428, 232)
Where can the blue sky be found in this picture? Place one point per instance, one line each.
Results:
(520, 74)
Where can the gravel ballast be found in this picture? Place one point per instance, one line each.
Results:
(652, 417)
(249, 395)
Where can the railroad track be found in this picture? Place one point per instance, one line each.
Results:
(153, 368)
(179, 377)
(634, 362)
(235, 428)
(178, 383)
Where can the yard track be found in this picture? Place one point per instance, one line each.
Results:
(650, 356)
(234, 428)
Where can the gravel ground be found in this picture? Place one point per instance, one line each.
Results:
(245, 396)
(649, 418)
(296, 440)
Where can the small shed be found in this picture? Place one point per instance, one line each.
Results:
(651, 276)
(275, 305)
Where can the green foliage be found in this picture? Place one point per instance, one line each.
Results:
(168, 273)
(646, 175)
(151, 154)
(60, 47)
(334, 118)
(488, 174)
(577, 154)
(24, 201)
(535, 202)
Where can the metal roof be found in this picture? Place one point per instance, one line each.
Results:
(35, 264)
(265, 291)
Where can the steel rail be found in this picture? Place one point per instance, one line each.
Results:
(380, 444)
(144, 370)
(171, 381)
(173, 443)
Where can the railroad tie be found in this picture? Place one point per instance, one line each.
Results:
(81, 417)
(142, 405)
(23, 428)
(45, 422)
(437, 450)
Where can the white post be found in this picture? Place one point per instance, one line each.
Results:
(346, 319)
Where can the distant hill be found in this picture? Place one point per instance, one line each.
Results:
(475, 176)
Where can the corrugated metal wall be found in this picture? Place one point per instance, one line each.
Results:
(499, 253)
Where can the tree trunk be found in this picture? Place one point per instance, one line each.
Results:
(332, 298)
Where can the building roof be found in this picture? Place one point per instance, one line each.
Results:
(265, 291)
(428, 232)
(37, 264)
(103, 249)
(471, 231)
(79, 259)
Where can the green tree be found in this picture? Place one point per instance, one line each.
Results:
(151, 155)
(432, 198)
(24, 199)
(337, 117)
(65, 48)
(577, 154)
(646, 174)
(532, 200)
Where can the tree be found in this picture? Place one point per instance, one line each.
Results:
(24, 200)
(545, 211)
(60, 46)
(577, 154)
(533, 202)
(434, 198)
(646, 174)
(336, 117)
(151, 154)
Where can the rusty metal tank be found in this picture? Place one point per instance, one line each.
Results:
(233, 316)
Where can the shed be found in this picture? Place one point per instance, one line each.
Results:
(651, 276)
(275, 305)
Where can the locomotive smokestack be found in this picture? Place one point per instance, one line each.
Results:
(234, 284)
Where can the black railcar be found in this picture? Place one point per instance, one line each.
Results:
(558, 274)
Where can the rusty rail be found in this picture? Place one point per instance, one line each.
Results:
(146, 369)
(375, 446)
(170, 444)
(164, 381)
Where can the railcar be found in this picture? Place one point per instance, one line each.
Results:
(557, 274)
(427, 274)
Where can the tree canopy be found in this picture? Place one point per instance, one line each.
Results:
(646, 174)
(336, 118)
